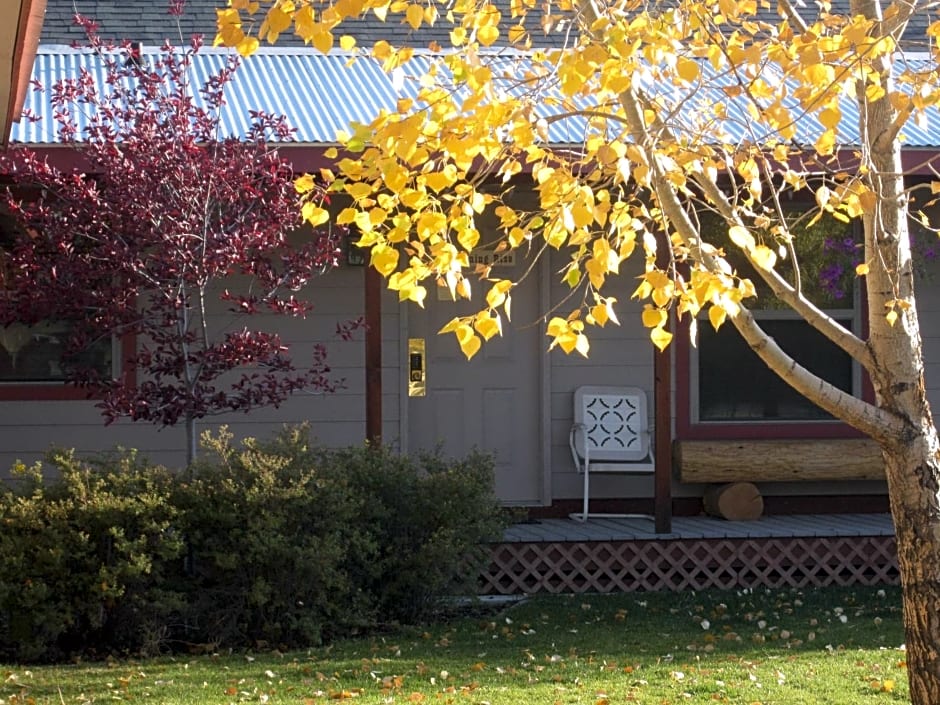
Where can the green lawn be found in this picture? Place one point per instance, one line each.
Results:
(786, 647)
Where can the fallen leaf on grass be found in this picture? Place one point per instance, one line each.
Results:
(883, 686)
(345, 694)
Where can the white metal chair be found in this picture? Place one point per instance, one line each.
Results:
(610, 434)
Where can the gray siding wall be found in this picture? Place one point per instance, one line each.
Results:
(29, 429)
(619, 356)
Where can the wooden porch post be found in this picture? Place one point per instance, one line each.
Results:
(373, 343)
(662, 416)
(662, 433)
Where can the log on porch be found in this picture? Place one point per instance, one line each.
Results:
(797, 460)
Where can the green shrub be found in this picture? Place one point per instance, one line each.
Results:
(273, 543)
(86, 560)
(269, 534)
(430, 519)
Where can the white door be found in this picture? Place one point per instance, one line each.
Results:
(491, 402)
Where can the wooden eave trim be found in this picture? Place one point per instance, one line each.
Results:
(29, 27)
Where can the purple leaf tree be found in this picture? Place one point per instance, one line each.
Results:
(166, 221)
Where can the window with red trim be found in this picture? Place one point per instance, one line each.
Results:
(33, 361)
(725, 390)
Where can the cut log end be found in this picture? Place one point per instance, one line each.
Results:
(735, 501)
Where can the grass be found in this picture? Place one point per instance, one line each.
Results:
(786, 647)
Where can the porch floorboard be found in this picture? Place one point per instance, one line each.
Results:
(701, 527)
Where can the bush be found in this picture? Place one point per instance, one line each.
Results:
(269, 534)
(430, 519)
(274, 543)
(86, 561)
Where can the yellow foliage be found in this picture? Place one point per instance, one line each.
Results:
(487, 325)
(314, 214)
(463, 160)
(469, 342)
(661, 338)
(654, 317)
(247, 46)
(414, 15)
(764, 257)
(741, 237)
(717, 315)
(384, 259)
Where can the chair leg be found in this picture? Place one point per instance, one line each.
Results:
(587, 491)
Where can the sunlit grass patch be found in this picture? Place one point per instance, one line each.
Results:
(826, 646)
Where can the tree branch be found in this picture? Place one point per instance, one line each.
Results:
(817, 318)
(788, 9)
(877, 423)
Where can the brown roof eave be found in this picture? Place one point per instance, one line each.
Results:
(29, 27)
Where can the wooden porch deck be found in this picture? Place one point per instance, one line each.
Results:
(613, 554)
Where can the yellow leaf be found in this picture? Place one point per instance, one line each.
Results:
(431, 223)
(892, 317)
(874, 92)
(582, 345)
(556, 327)
(517, 34)
(826, 142)
(314, 214)
(599, 313)
(277, 21)
(716, 314)
(597, 270)
(687, 69)
(416, 293)
(488, 34)
(414, 16)
(347, 43)
(247, 46)
(229, 28)
(764, 257)
(820, 75)
(438, 181)
(497, 294)
(321, 38)
(487, 326)
(830, 118)
(861, 270)
(654, 317)
(468, 341)
(458, 36)
(346, 216)
(741, 237)
(384, 259)
(661, 338)
(451, 326)
(304, 184)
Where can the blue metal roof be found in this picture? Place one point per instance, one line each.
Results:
(322, 94)
(317, 94)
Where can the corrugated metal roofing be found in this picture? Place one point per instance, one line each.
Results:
(322, 94)
(317, 94)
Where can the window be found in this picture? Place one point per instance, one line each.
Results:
(33, 362)
(730, 388)
(34, 354)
